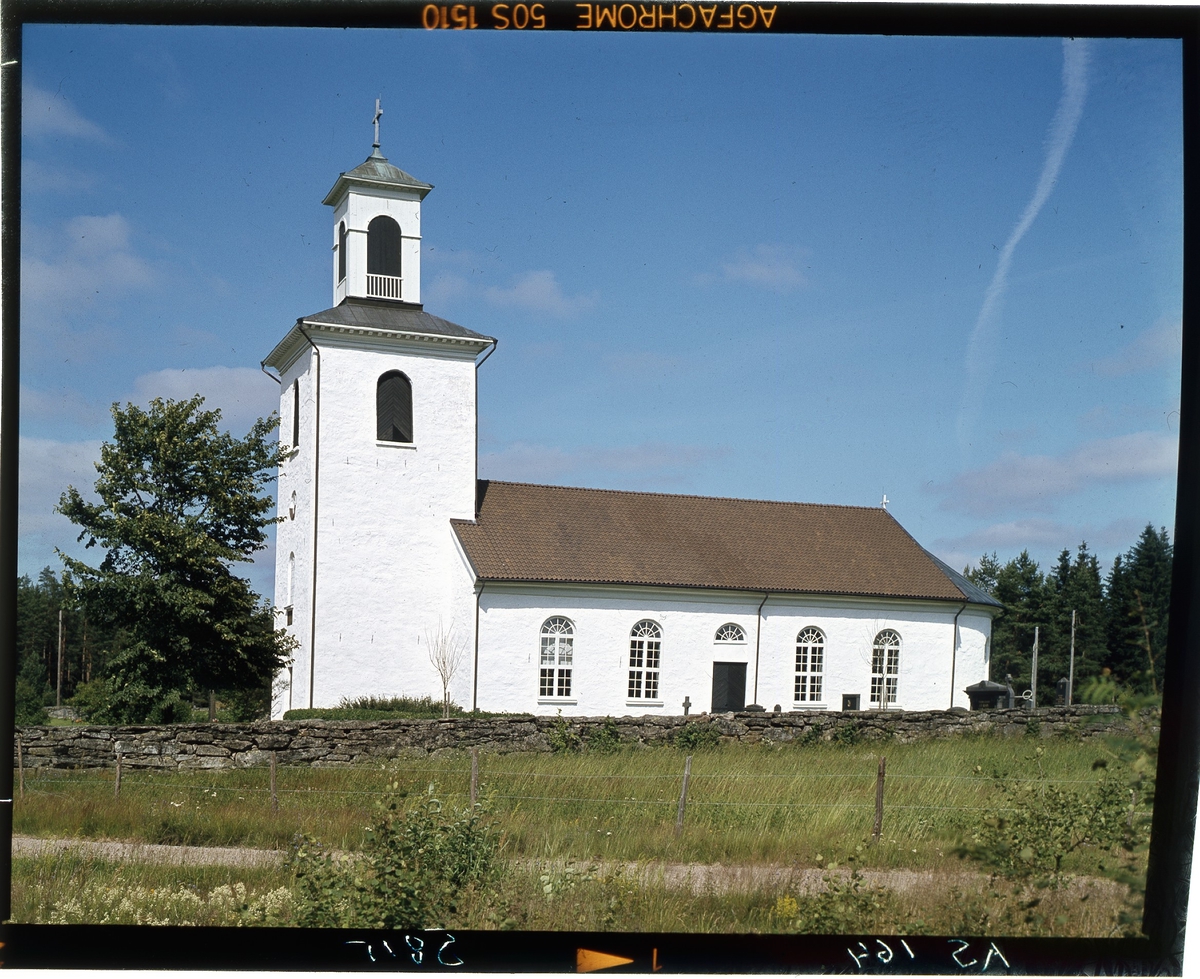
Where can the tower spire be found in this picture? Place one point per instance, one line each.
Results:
(375, 145)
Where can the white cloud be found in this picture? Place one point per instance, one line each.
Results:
(1036, 535)
(1035, 482)
(242, 393)
(443, 287)
(47, 468)
(61, 405)
(95, 259)
(775, 267)
(1160, 345)
(38, 177)
(638, 464)
(46, 113)
(539, 292)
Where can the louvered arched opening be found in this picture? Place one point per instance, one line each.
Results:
(341, 251)
(393, 408)
(383, 258)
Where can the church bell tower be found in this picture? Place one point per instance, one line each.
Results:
(377, 230)
(377, 406)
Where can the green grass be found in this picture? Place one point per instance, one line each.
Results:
(69, 888)
(746, 803)
(795, 805)
(66, 888)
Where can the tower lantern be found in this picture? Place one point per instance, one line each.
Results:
(377, 230)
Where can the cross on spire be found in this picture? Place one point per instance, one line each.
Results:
(378, 113)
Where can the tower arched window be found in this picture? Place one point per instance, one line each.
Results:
(645, 649)
(296, 414)
(341, 251)
(810, 665)
(383, 258)
(291, 584)
(393, 408)
(885, 667)
(557, 654)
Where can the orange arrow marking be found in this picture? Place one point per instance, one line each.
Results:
(588, 961)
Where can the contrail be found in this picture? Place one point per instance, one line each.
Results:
(981, 347)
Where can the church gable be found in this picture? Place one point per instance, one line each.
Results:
(531, 533)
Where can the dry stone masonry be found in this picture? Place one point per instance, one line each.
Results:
(344, 743)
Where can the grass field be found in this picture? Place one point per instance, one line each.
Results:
(794, 806)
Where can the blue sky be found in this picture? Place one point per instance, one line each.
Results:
(814, 268)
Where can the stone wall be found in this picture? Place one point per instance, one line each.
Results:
(340, 743)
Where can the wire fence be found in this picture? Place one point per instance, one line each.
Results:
(690, 789)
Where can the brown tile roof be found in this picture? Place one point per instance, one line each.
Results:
(564, 534)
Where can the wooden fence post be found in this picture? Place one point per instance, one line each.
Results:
(21, 765)
(274, 796)
(879, 799)
(687, 774)
(117, 784)
(474, 776)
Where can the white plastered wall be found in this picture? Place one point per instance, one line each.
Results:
(511, 617)
(388, 572)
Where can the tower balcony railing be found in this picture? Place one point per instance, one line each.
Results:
(383, 286)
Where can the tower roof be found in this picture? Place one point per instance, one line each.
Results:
(376, 173)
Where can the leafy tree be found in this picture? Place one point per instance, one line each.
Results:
(180, 502)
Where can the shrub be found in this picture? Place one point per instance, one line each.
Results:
(606, 739)
(848, 734)
(562, 737)
(91, 701)
(847, 905)
(30, 682)
(248, 705)
(1039, 824)
(694, 735)
(416, 862)
(383, 709)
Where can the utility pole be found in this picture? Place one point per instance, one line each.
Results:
(58, 695)
(1033, 678)
(1071, 675)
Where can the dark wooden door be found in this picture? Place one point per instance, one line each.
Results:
(729, 687)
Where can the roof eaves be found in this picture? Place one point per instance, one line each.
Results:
(626, 583)
(475, 340)
(346, 179)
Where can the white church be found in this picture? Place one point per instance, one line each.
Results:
(557, 598)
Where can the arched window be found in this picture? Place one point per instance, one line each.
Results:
(810, 665)
(645, 645)
(383, 246)
(292, 507)
(296, 414)
(393, 408)
(554, 678)
(341, 251)
(730, 632)
(885, 667)
(291, 578)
